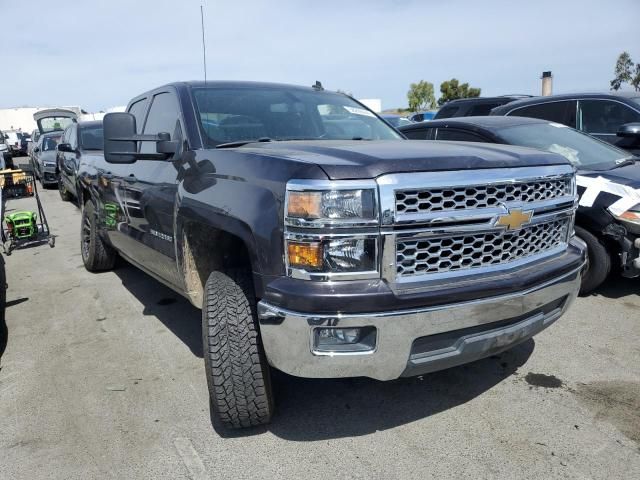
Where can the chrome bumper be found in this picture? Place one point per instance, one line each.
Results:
(287, 336)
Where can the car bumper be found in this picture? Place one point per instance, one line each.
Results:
(416, 341)
(49, 174)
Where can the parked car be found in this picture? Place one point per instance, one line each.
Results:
(396, 120)
(476, 106)
(5, 152)
(421, 116)
(14, 141)
(25, 140)
(612, 117)
(44, 158)
(608, 217)
(35, 135)
(79, 141)
(311, 234)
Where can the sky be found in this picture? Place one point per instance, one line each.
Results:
(99, 54)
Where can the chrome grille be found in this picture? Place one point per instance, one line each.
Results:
(467, 251)
(479, 196)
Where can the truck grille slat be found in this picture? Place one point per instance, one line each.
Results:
(477, 250)
(478, 196)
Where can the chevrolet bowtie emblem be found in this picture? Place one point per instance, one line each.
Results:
(514, 219)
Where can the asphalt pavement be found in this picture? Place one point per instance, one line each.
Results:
(102, 377)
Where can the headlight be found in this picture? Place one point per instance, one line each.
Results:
(316, 244)
(320, 203)
(327, 257)
(632, 215)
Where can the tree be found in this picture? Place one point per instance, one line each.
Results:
(635, 81)
(421, 96)
(624, 67)
(452, 89)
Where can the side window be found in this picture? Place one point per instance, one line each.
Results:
(163, 117)
(71, 136)
(447, 112)
(480, 110)
(604, 116)
(559, 112)
(457, 135)
(137, 110)
(418, 134)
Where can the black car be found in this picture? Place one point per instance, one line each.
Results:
(608, 217)
(612, 117)
(79, 141)
(469, 107)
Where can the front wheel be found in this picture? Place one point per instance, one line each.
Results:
(238, 375)
(96, 254)
(65, 195)
(599, 262)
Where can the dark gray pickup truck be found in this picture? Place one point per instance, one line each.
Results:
(317, 241)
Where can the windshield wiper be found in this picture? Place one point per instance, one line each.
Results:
(623, 162)
(239, 143)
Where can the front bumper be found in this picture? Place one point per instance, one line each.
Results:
(416, 341)
(49, 174)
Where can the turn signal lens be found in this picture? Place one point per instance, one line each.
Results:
(305, 255)
(304, 204)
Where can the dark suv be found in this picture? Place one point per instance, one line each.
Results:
(614, 118)
(468, 107)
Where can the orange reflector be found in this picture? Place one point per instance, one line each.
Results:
(304, 204)
(630, 215)
(304, 255)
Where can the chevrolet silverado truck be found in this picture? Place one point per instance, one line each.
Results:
(319, 242)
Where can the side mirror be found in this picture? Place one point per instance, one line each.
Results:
(119, 131)
(121, 140)
(629, 130)
(65, 147)
(36, 149)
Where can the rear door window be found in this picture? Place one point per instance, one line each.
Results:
(447, 112)
(560, 112)
(604, 116)
(458, 135)
(419, 133)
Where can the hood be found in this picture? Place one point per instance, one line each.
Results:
(48, 156)
(53, 119)
(349, 159)
(628, 175)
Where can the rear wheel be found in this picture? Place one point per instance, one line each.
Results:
(599, 262)
(237, 371)
(96, 254)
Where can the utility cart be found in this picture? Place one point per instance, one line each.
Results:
(22, 227)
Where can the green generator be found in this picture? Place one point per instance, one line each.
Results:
(21, 225)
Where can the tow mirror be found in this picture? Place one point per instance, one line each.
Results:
(119, 145)
(121, 140)
(65, 147)
(630, 130)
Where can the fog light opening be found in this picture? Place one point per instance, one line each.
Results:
(331, 340)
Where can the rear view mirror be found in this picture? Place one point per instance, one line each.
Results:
(629, 130)
(65, 147)
(119, 131)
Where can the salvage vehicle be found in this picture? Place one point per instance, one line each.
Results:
(78, 141)
(422, 116)
(608, 217)
(51, 123)
(44, 158)
(473, 107)
(611, 117)
(319, 242)
(14, 141)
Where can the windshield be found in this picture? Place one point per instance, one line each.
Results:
(91, 138)
(579, 148)
(252, 113)
(49, 143)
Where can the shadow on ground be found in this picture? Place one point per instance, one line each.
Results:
(617, 287)
(315, 409)
(173, 310)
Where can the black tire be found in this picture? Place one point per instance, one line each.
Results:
(96, 254)
(599, 262)
(65, 195)
(238, 375)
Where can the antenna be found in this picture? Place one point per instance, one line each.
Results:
(204, 47)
